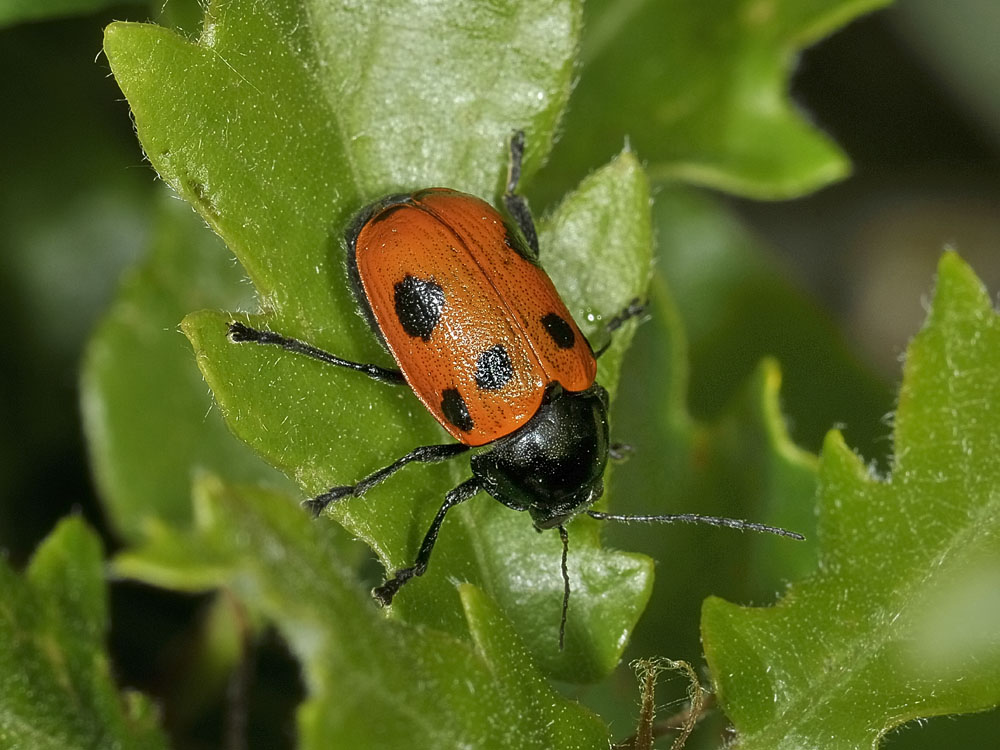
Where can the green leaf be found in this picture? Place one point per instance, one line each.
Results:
(276, 127)
(738, 305)
(775, 479)
(278, 124)
(426, 688)
(56, 689)
(701, 90)
(147, 414)
(898, 621)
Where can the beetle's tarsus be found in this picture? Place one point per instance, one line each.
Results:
(620, 451)
(318, 504)
(240, 332)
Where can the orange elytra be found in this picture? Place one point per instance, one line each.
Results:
(475, 324)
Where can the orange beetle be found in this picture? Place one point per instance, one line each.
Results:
(475, 324)
(455, 292)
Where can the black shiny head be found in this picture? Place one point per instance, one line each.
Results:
(553, 466)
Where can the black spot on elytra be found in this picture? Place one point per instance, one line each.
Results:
(494, 369)
(419, 303)
(454, 409)
(559, 330)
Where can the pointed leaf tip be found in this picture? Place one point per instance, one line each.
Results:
(958, 293)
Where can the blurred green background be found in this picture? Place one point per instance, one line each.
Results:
(911, 93)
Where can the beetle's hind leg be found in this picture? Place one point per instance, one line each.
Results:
(633, 309)
(240, 333)
(383, 594)
(515, 204)
(620, 451)
(427, 454)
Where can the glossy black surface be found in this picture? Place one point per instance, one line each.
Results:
(552, 467)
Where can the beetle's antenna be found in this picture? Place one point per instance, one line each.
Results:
(731, 523)
(565, 574)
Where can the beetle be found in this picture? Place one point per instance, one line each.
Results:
(454, 290)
